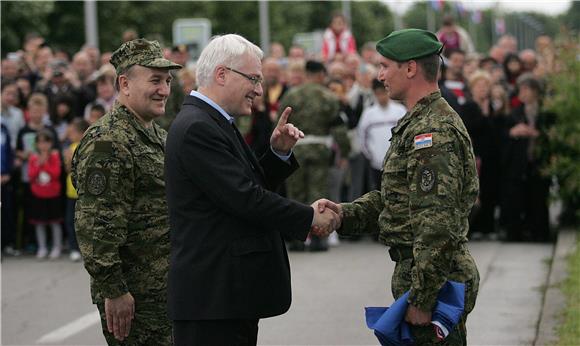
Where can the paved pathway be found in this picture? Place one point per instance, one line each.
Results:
(49, 302)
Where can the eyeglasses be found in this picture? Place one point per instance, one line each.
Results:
(254, 79)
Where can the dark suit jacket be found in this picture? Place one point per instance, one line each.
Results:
(515, 161)
(228, 259)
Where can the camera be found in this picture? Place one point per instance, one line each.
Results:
(58, 67)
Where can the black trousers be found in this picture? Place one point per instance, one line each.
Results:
(216, 332)
(525, 208)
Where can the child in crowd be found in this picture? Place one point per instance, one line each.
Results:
(63, 114)
(96, 113)
(44, 169)
(75, 132)
(26, 146)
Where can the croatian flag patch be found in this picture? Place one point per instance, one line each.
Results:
(424, 141)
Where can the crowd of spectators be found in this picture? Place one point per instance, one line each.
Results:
(49, 98)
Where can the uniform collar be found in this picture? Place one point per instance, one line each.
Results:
(417, 110)
(152, 133)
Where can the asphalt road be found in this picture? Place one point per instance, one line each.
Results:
(48, 303)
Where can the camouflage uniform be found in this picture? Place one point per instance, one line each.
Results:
(315, 112)
(421, 212)
(121, 215)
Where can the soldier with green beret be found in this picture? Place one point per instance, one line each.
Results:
(121, 215)
(429, 185)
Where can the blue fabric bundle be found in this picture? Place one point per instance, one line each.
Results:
(389, 323)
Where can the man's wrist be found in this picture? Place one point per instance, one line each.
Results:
(282, 156)
(114, 291)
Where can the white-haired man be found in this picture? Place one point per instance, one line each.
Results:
(229, 265)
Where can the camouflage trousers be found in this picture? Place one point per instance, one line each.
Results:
(309, 183)
(151, 326)
(401, 283)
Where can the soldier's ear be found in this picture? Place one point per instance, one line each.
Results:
(124, 84)
(412, 67)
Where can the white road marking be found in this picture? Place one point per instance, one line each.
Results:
(70, 329)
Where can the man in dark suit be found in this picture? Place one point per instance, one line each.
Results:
(229, 266)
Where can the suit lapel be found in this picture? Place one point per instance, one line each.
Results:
(248, 152)
(238, 142)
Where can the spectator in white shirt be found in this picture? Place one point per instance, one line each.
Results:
(374, 130)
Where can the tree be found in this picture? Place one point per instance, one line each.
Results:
(66, 26)
(20, 18)
(571, 19)
(371, 22)
(62, 22)
(564, 86)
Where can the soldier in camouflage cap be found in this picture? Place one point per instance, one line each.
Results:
(141, 52)
(121, 216)
(429, 185)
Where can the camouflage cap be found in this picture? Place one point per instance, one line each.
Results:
(141, 52)
(408, 44)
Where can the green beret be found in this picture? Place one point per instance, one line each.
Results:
(408, 44)
(141, 52)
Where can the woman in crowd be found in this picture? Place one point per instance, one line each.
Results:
(483, 126)
(512, 67)
(525, 189)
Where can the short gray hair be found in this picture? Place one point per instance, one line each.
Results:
(223, 50)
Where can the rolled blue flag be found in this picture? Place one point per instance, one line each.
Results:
(389, 323)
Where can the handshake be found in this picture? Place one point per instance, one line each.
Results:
(327, 217)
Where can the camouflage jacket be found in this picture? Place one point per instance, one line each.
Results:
(121, 215)
(315, 111)
(429, 185)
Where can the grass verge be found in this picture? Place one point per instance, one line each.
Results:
(569, 331)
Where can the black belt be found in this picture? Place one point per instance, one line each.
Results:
(399, 254)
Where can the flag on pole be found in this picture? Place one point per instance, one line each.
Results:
(459, 8)
(437, 4)
(499, 26)
(476, 16)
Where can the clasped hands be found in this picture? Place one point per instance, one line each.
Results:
(327, 217)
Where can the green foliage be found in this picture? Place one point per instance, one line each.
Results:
(569, 330)
(571, 19)
(20, 18)
(151, 19)
(371, 21)
(416, 16)
(62, 22)
(282, 15)
(564, 86)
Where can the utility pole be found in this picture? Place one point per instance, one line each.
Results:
(346, 12)
(430, 18)
(91, 23)
(264, 27)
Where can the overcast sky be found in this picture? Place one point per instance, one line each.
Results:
(550, 7)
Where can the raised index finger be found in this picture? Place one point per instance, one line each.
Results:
(284, 117)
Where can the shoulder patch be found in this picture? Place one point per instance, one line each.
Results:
(103, 147)
(423, 141)
(97, 182)
(427, 179)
